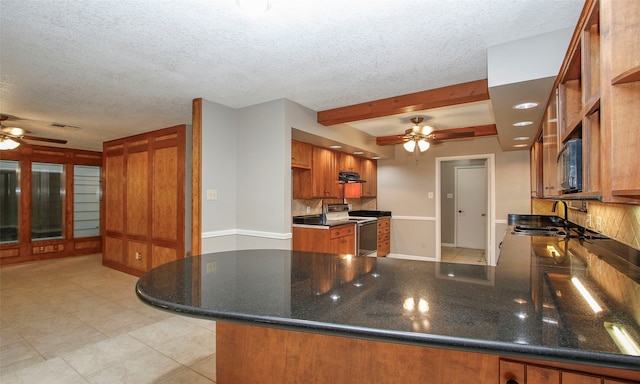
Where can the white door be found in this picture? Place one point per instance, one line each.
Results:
(471, 210)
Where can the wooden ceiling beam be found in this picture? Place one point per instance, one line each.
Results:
(441, 97)
(441, 135)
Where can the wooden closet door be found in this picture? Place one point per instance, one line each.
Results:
(168, 198)
(114, 198)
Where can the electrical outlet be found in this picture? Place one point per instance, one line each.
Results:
(599, 224)
(308, 209)
(588, 222)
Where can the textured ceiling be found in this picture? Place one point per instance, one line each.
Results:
(118, 67)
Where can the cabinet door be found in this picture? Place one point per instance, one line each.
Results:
(536, 168)
(325, 174)
(348, 163)
(579, 378)
(344, 245)
(542, 375)
(370, 175)
(620, 98)
(550, 149)
(343, 239)
(301, 154)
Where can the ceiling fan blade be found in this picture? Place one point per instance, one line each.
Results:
(45, 139)
(390, 140)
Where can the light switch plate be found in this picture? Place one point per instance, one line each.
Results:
(212, 194)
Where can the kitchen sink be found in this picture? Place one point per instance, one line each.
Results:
(524, 230)
(535, 221)
(538, 225)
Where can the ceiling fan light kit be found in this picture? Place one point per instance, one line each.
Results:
(409, 146)
(6, 143)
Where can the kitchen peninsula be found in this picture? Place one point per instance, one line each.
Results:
(284, 315)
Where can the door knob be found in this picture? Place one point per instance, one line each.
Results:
(459, 211)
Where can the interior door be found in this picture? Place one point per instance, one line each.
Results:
(471, 207)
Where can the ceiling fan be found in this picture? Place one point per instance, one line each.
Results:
(11, 137)
(422, 137)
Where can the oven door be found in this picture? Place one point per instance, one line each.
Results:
(367, 238)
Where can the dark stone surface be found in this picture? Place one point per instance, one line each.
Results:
(526, 306)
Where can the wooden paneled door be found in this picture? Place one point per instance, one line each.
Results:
(145, 200)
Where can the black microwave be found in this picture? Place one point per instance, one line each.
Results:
(570, 167)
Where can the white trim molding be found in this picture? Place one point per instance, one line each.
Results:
(416, 218)
(246, 232)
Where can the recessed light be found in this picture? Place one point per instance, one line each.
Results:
(358, 153)
(520, 145)
(335, 146)
(527, 105)
(522, 123)
(521, 138)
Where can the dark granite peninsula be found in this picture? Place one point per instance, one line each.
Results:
(287, 315)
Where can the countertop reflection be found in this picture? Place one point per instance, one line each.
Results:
(526, 305)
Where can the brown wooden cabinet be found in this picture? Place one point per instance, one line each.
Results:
(522, 372)
(343, 239)
(370, 175)
(248, 353)
(537, 187)
(384, 236)
(620, 100)
(340, 239)
(550, 149)
(347, 162)
(144, 183)
(26, 248)
(325, 174)
(598, 94)
(301, 154)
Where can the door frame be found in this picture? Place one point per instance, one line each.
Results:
(490, 250)
(455, 219)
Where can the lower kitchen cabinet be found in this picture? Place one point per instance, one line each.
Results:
(384, 236)
(248, 354)
(518, 372)
(339, 239)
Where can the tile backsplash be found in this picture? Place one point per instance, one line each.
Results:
(299, 207)
(617, 221)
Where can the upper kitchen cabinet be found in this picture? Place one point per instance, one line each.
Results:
(550, 149)
(370, 176)
(620, 100)
(301, 154)
(537, 187)
(598, 96)
(325, 174)
(347, 162)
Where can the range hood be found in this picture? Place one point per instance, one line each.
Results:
(347, 177)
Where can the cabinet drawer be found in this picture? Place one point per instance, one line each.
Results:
(345, 230)
(384, 223)
(383, 231)
(383, 237)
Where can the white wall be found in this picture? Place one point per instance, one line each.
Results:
(219, 173)
(246, 157)
(405, 181)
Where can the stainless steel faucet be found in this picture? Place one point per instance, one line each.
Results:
(566, 209)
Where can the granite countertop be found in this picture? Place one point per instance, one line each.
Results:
(526, 306)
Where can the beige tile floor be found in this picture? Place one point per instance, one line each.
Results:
(74, 321)
(463, 255)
